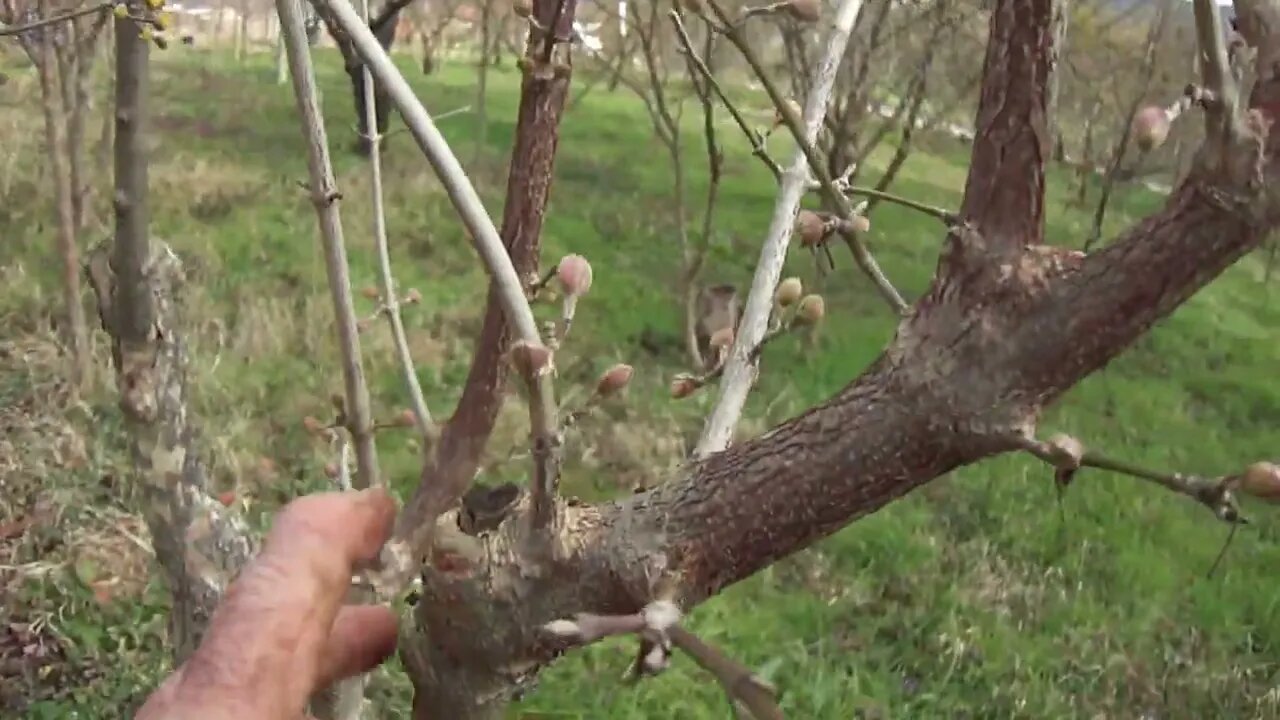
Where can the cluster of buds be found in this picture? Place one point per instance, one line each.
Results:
(809, 309)
(152, 23)
(814, 227)
(802, 311)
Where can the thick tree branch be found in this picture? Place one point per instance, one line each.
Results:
(1222, 114)
(506, 258)
(325, 196)
(740, 371)
(200, 545)
(1004, 193)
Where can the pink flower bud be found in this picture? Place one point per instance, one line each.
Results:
(406, 418)
(1262, 480)
(1150, 128)
(812, 309)
(413, 297)
(331, 470)
(574, 274)
(860, 224)
(811, 228)
(370, 292)
(789, 291)
(682, 386)
(614, 380)
(530, 359)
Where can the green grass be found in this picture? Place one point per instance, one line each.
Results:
(968, 599)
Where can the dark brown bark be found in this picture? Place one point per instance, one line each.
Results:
(542, 98)
(1004, 194)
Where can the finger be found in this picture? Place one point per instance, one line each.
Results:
(363, 636)
(276, 617)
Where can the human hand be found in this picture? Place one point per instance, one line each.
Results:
(282, 631)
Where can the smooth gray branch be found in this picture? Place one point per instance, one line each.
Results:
(741, 368)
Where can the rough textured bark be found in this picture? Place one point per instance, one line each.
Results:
(462, 441)
(1007, 327)
(198, 543)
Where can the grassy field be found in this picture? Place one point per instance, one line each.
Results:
(973, 598)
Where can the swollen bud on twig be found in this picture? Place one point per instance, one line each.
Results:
(683, 385)
(812, 309)
(413, 297)
(811, 228)
(856, 224)
(406, 418)
(722, 338)
(789, 291)
(331, 470)
(1067, 451)
(227, 498)
(574, 274)
(805, 10)
(1262, 480)
(530, 359)
(614, 380)
(1151, 128)
(370, 292)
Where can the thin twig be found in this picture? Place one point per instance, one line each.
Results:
(324, 195)
(461, 193)
(806, 140)
(697, 64)
(390, 297)
(740, 372)
(10, 30)
(739, 683)
(1213, 493)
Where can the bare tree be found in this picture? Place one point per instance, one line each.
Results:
(1008, 325)
(60, 42)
